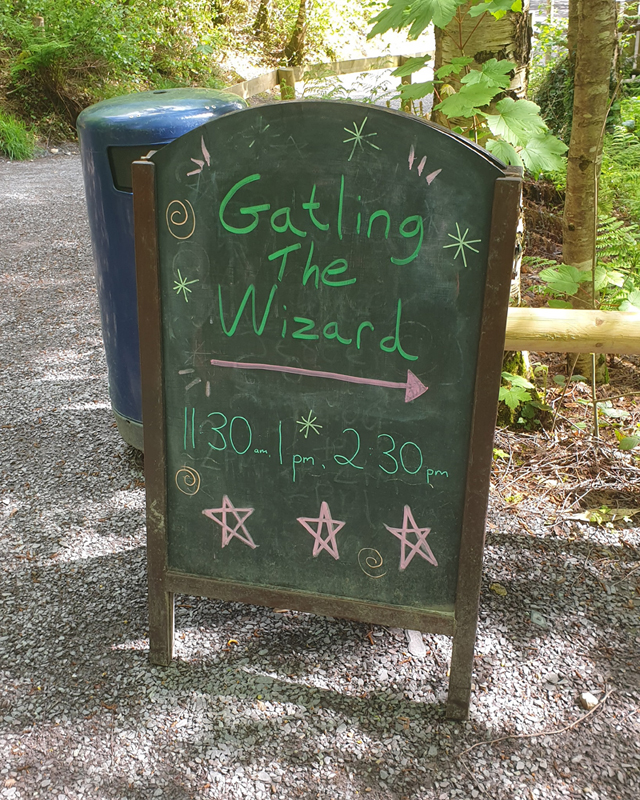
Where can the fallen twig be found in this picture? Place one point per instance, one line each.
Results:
(540, 733)
(615, 583)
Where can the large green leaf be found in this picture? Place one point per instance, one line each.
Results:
(389, 18)
(512, 396)
(415, 91)
(418, 14)
(543, 153)
(496, 7)
(468, 101)
(496, 71)
(516, 121)
(455, 66)
(517, 380)
(504, 151)
(410, 66)
(632, 303)
(564, 279)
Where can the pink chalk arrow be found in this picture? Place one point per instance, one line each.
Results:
(413, 386)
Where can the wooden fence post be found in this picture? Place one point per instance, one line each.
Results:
(405, 81)
(287, 81)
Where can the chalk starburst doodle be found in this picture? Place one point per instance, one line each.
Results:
(183, 286)
(359, 138)
(307, 425)
(460, 241)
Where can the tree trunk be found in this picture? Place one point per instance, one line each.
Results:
(594, 44)
(261, 22)
(572, 29)
(483, 38)
(294, 51)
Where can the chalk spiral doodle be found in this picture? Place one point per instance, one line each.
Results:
(372, 562)
(188, 481)
(179, 219)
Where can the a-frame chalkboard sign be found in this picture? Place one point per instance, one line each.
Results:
(323, 294)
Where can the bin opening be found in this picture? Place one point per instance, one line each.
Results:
(120, 159)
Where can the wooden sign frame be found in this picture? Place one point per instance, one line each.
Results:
(164, 583)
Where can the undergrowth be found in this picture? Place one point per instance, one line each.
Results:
(16, 141)
(620, 176)
(59, 56)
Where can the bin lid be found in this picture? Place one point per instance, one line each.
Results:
(153, 117)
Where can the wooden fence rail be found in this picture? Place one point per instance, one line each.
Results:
(560, 330)
(287, 77)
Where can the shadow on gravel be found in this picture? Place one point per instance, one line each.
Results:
(247, 679)
(556, 591)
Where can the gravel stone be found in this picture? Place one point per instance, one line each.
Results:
(259, 704)
(588, 700)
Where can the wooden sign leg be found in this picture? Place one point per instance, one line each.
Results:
(461, 669)
(161, 615)
(504, 220)
(155, 457)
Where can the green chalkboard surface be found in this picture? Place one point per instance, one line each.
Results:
(322, 278)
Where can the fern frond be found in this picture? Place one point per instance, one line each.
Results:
(617, 239)
(538, 262)
(622, 148)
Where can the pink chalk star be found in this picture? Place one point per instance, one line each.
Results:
(239, 530)
(420, 546)
(333, 526)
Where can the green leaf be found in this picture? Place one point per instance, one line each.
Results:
(423, 12)
(415, 91)
(496, 7)
(467, 101)
(632, 303)
(497, 72)
(418, 14)
(559, 304)
(455, 66)
(615, 278)
(512, 396)
(539, 404)
(504, 151)
(477, 77)
(601, 278)
(516, 121)
(564, 279)
(410, 66)
(543, 153)
(629, 442)
(517, 380)
(390, 17)
(614, 413)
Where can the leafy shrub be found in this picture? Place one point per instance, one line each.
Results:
(87, 51)
(553, 92)
(617, 276)
(16, 141)
(472, 97)
(620, 176)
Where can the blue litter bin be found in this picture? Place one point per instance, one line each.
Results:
(113, 134)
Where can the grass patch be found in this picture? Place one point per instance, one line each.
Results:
(16, 141)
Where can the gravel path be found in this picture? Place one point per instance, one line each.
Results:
(257, 703)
